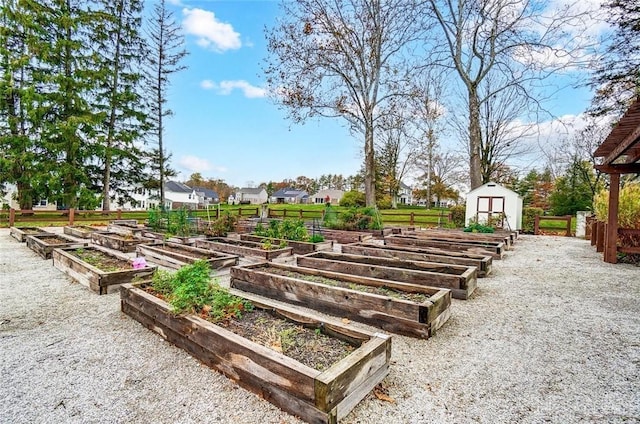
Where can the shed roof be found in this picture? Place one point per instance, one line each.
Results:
(491, 184)
(621, 149)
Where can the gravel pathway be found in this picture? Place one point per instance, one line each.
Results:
(552, 336)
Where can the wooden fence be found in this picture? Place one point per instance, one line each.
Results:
(626, 238)
(72, 216)
(537, 227)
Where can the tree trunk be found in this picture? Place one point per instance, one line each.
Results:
(475, 137)
(369, 168)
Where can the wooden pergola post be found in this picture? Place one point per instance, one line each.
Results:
(611, 237)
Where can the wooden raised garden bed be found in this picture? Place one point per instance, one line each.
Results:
(44, 244)
(313, 395)
(407, 253)
(461, 280)
(175, 255)
(494, 249)
(125, 222)
(344, 236)
(463, 236)
(186, 240)
(117, 242)
(80, 231)
(21, 233)
(125, 230)
(243, 248)
(99, 270)
(299, 247)
(408, 309)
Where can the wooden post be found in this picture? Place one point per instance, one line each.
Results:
(611, 238)
(412, 219)
(240, 212)
(300, 213)
(72, 213)
(12, 217)
(568, 233)
(536, 225)
(600, 237)
(119, 214)
(593, 225)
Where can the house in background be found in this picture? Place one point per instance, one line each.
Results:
(491, 201)
(249, 196)
(405, 195)
(327, 196)
(206, 197)
(289, 195)
(11, 194)
(178, 195)
(142, 199)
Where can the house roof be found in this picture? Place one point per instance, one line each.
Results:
(290, 192)
(404, 186)
(251, 190)
(177, 187)
(207, 192)
(621, 149)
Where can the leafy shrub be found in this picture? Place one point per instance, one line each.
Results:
(190, 290)
(223, 225)
(384, 202)
(288, 229)
(316, 238)
(628, 206)
(528, 218)
(478, 228)
(356, 219)
(352, 199)
(458, 214)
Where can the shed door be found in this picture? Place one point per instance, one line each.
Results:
(491, 208)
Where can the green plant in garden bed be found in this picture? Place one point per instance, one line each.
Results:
(287, 229)
(476, 227)
(190, 290)
(353, 219)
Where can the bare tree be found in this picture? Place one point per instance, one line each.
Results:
(342, 58)
(518, 41)
(503, 134)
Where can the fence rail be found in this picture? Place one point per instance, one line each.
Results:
(70, 216)
(537, 227)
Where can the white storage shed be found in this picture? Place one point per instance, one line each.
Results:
(493, 200)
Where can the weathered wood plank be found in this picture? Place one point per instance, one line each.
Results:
(79, 231)
(242, 248)
(407, 253)
(116, 241)
(391, 314)
(344, 237)
(161, 255)
(283, 381)
(461, 286)
(299, 247)
(21, 233)
(464, 236)
(496, 251)
(99, 281)
(39, 244)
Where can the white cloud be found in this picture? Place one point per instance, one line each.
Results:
(212, 34)
(196, 164)
(175, 2)
(226, 87)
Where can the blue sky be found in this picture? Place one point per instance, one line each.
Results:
(224, 126)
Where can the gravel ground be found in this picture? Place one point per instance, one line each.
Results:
(552, 336)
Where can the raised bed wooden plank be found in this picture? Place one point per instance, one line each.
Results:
(99, 281)
(176, 255)
(125, 230)
(186, 240)
(314, 396)
(80, 231)
(299, 247)
(125, 222)
(44, 244)
(461, 285)
(407, 253)
(21, 233)
(243, 248)
(343, 236)
(118, 242)
(336, 294)
(495, 250)
(461, 235)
